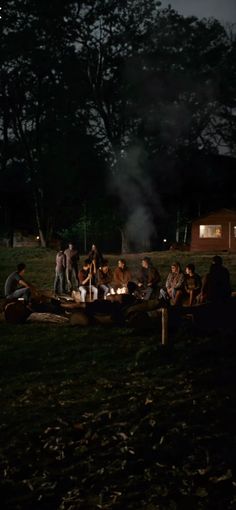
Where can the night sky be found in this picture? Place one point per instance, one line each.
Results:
(224, 10)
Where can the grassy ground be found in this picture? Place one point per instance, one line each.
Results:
(107, 418)
(41, 263)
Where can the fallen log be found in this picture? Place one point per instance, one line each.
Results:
(48, 318)
(16, 312)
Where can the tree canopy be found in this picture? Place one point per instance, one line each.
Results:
(119, 103)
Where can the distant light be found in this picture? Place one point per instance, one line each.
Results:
(37, 238)
(164, 240)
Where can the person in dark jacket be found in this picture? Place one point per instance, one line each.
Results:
(104, 278)
(216, 285)
(96, 258)
(121, 275)
(149, 279)
(192, 285)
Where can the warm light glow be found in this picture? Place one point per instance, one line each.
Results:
(37, 238)
(164, 240)
(210, 231)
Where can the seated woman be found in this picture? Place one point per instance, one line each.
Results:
(121, 275)
(192, 285)
(104, 278)
(174, 287)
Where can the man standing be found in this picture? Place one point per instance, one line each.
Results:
(72, 258)
(59, 281)
(16, 286)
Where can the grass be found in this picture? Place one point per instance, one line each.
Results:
(41, 263)
(106, 418)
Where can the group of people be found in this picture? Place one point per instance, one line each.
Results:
(190, 289)
(95, 275)
(181, 287)
(96, 280)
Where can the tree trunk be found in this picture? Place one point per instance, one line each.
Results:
(124, 242)
(177, 226)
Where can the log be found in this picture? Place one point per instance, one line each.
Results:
(16, 312)
(164, 326)
(48, 318)
(79, 319)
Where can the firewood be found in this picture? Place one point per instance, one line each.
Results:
(47, 317)
(16, 312)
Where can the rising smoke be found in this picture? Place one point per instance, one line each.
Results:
(138, 198)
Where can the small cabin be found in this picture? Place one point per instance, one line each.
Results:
(214, 232)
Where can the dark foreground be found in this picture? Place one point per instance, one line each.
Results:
(102, 418)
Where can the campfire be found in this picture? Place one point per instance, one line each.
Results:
(120, 290)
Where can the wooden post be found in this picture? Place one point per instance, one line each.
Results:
(229, 235)
(164, 326)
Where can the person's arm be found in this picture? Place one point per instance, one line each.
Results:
(83, 280)
(180, 281)
(116, 276)
(23, 283)
(198, 283)
(154, 278)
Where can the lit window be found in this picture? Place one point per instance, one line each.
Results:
(211, 231)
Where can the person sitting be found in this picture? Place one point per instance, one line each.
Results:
(86, 282)
(121, 275)
(16, 286)
(216, 285)
(192, 284)
(174, 287)
(148, 279)
(104, 278)
(95, 256)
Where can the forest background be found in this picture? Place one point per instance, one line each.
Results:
(117, 121)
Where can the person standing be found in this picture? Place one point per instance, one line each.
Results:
(95, 256)
(16, 286)
(59, 281)
(72, 258)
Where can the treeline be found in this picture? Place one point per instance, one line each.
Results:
(112, 117)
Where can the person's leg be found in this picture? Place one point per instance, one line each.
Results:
(164, 294)
(68, 280)
(82, 293)
(95, 292)
(61, 283)
(21, 293)
(74, 280)
(177, 299)
(104, 289)
(55, 285)
(147, 293)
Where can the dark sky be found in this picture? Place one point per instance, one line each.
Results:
(224, 10)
